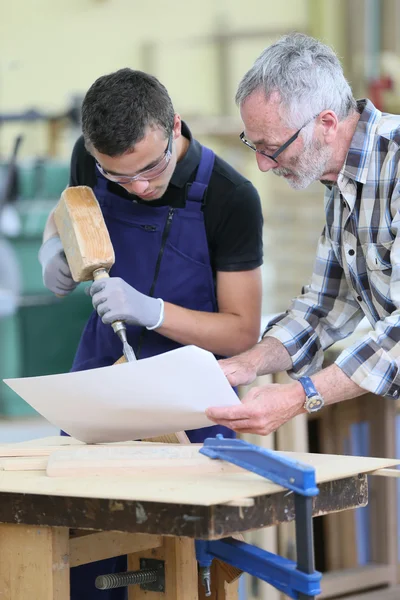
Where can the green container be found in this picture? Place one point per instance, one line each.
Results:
(42, 179)
(42, 337)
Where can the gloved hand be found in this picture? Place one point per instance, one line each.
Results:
(55, 270)
(116, 300)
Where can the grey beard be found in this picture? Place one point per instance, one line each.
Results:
(309, 168)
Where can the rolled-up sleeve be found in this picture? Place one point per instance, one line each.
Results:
(324, 313)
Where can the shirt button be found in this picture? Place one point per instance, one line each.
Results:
(351, 252)
(359, 298)
(344, 204)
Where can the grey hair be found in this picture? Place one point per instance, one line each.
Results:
(307, 75)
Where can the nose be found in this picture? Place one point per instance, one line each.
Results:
(137, 187)
(264, 163)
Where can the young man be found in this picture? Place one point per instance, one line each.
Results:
(302, 122)
(187, 235)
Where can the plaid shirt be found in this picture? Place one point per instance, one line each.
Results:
(357, 267)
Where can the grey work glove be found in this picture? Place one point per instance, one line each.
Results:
(116, 300)
(55, 270)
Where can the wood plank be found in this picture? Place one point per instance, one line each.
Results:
(387, 473)
(179, 437)
(51, 440)
(34, 563)
(346, 581)
(174, 458)
(180, 570)
(18, 450)
(220, 588)
(392, 593)
(29, 463)
(331, 523)
(340, 529)
(107, 544)
(381, 414)
(347, 414)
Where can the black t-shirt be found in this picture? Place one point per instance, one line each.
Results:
(232, 208)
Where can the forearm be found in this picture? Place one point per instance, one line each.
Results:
(333, 385)
(268, 356)
(224, 334)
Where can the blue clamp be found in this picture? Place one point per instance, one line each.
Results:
(283, 471)
(276, 570)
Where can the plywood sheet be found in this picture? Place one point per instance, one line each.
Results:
(186, 487)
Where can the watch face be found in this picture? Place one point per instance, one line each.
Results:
(313, 404)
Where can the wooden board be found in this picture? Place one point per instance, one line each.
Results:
(201, 489)
(47, 449)
(107, 544)
(34, 562)
(22, 463)
(51, 440)
(154, 458)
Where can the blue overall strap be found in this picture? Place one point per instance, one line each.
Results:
(198, 188)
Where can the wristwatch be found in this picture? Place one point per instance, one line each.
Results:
(314, 400)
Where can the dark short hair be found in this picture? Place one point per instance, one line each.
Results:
(119, 107)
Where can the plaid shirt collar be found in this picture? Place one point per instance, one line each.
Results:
(361, 149)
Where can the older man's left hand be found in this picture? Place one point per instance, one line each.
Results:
(263, 409)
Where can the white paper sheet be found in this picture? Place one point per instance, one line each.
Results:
(150, 397)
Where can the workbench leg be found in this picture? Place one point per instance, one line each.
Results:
(220, 588)
(180, 570)
(34, 563)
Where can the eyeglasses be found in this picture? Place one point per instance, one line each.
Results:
(281, 148)
(145, 175)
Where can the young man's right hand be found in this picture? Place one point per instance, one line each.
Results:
(55, 270)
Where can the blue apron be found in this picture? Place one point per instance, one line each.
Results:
(162, 252)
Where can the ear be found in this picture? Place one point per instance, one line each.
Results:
(177, 129)
(329, 121)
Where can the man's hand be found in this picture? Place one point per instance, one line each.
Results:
(238, 370)
(263, 409)
(115, 300)
(55, 270)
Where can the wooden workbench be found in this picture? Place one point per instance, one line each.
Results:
(49, 524)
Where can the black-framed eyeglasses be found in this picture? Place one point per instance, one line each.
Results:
(281, 148)
(145, 175)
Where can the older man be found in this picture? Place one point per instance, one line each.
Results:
(303, 123)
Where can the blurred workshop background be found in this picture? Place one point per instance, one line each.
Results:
(50, 53)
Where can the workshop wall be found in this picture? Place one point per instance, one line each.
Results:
(51, 52)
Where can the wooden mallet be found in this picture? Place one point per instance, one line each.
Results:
(87, 244)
